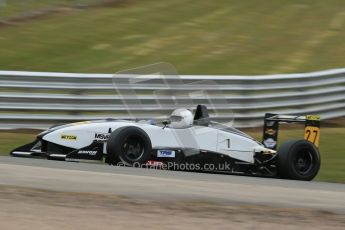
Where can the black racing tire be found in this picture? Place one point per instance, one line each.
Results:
(130, 145)
(298, 160)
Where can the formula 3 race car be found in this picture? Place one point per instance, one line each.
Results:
(184, 140)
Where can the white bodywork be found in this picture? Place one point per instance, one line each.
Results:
(192, 140)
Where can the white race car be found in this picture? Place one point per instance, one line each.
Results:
(184, 142)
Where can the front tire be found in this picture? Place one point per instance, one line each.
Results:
(298, 160)
(130, 145)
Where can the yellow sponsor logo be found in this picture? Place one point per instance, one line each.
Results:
(68, 137)
(313, 117)
(270, 132)
(81, 123)
(312, 134)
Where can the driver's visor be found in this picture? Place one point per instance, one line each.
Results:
(175, 118)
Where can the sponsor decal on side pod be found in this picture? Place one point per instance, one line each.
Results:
(88, 152)
(165, 153)
(68, 137)
(102, 137)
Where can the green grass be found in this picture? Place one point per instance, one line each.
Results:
(11, 8)
(15, 8)
(11, 140)
(332, 150)
(205, 37)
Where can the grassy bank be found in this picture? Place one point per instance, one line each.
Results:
(208, 37)
(332, 149)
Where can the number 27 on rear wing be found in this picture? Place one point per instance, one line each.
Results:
(271, 128)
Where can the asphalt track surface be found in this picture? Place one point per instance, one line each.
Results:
(170, 185)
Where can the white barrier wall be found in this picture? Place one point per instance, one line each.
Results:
(38, 99)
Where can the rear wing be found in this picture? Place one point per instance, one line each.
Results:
(271, 127)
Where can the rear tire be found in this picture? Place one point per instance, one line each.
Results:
(129, 145)
(298, 160)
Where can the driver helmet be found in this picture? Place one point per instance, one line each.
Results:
(181, 118)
